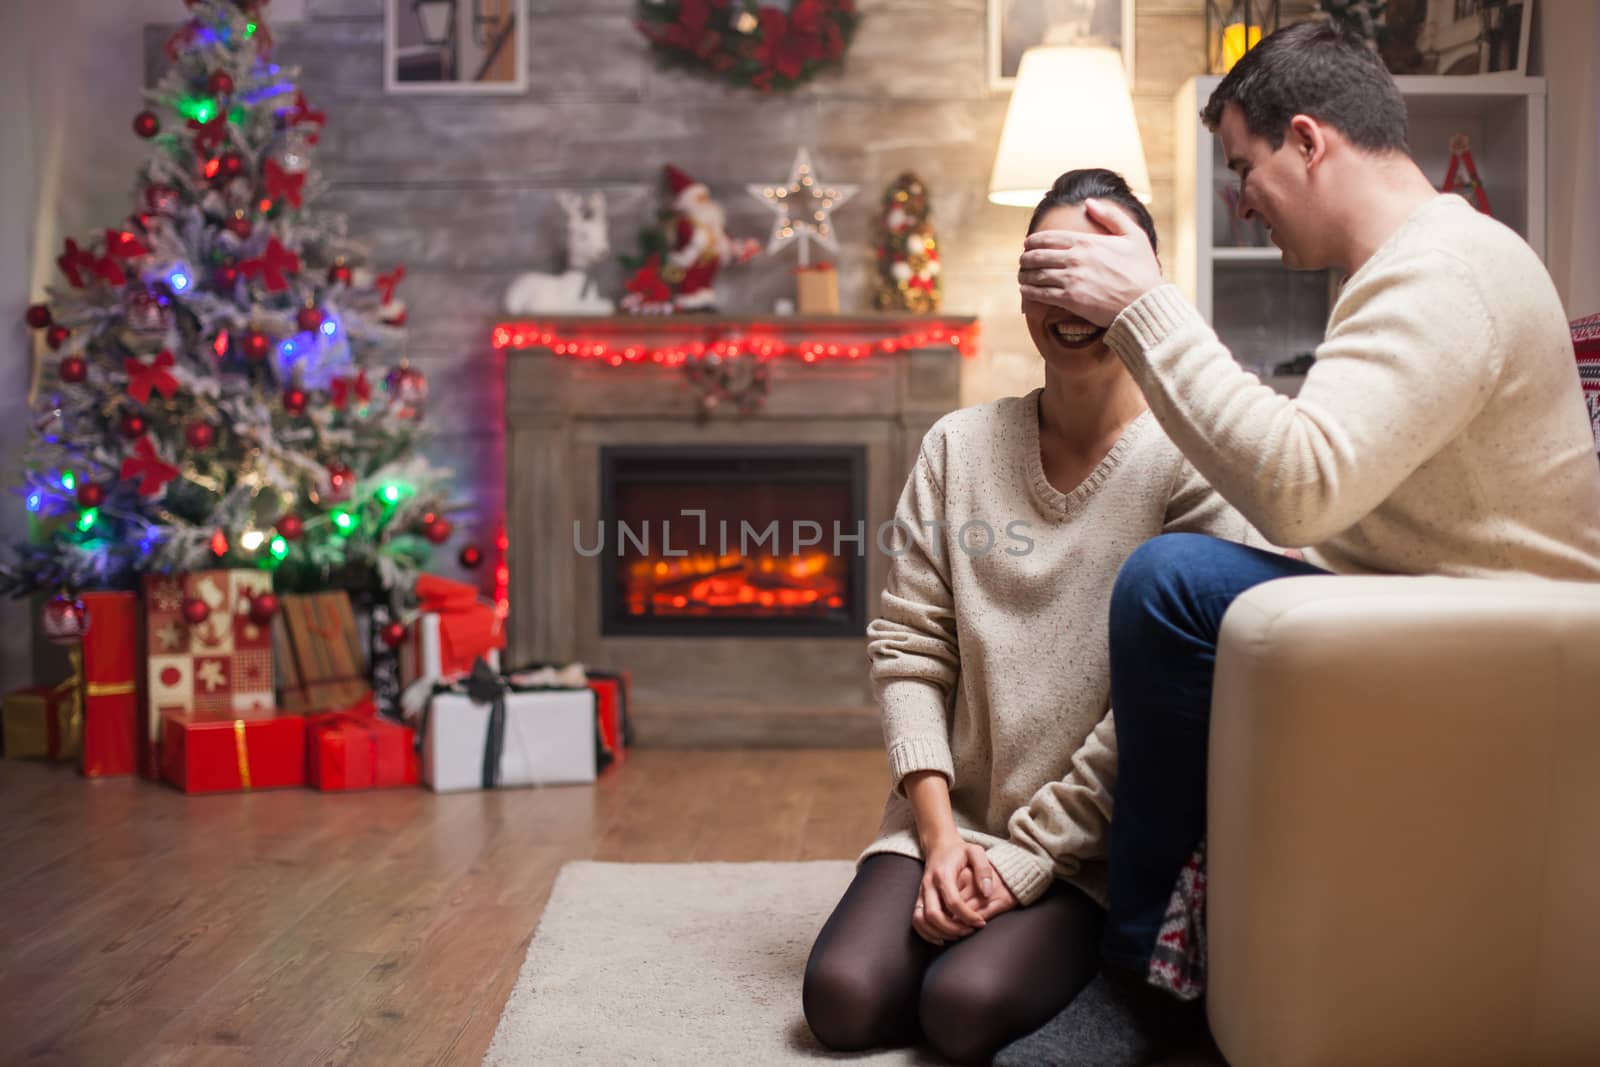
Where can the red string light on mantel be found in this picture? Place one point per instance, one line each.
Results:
(762, 346)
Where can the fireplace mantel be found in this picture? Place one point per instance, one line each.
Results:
(568, 397)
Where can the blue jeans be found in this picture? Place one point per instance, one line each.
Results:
(1166, 611)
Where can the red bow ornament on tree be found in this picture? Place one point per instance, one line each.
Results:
(74, 261)
(303, 113)
(208, 136)
(283, 185)
(272, 266)
(124, 245)
(155, 376)
(147, 465)
(342, 389)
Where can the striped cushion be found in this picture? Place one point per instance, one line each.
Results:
(1586, 340)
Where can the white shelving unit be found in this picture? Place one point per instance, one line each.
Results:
(1267, 314)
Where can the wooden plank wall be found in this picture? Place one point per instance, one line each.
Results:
(462, 189)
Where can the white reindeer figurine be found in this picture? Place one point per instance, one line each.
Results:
(572, 292)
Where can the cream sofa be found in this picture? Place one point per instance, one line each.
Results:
(1404, 824)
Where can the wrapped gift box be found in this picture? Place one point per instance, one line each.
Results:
(611, 702)
(456, 629)
(218, 669)
(355, 749)
(318, 652)
(110, 671)
(41, 722)
(542, 737)
(226, 755)
(817, 290)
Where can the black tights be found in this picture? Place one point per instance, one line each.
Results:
(873, 982)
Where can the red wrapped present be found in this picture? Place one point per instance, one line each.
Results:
(217, 668)
(354, 749)
(41, 722)
(110, 678)
(457, 629)
(224, 755)
(611, 708)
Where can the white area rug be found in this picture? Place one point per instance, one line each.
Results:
(696, 963)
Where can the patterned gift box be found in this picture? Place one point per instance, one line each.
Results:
(355, 749)
(318, 651)
(218, 669)
(110, 679)
(41, 722)
(1586, 345)
(227, 756)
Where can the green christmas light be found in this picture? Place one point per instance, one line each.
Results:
(87, 520)
(392, 493)
(200, 108)
(69, 481)
(344, 521)
(279, 548)
(237, 115)
(249, 29)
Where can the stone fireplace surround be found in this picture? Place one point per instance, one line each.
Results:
(562, 410)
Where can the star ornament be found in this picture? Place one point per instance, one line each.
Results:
(803, 208)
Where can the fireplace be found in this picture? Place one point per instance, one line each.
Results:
(732, 541)
(759, 641)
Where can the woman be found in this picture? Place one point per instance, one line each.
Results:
(975, 916)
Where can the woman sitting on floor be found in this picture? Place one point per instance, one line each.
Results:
(975, 916)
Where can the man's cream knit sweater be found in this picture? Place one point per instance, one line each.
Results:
(1441, 431)
(991, 659)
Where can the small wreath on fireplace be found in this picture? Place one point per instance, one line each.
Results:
(754, 43)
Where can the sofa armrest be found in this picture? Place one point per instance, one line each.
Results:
(1404, 823)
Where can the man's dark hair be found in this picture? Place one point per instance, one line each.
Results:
(1315, 69)
(1076, 186)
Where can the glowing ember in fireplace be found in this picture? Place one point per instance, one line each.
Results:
(732, 584)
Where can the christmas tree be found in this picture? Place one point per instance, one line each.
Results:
(217, 389)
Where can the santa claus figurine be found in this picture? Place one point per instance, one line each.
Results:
(698, 244)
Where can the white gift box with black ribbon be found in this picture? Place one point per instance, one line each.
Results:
(484, 734)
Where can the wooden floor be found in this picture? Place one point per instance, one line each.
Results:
(141, 926)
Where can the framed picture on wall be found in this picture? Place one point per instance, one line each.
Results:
(1018, 25)
(1450, 36)
(455, 46)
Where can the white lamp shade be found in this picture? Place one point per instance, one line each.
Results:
(1070, 109)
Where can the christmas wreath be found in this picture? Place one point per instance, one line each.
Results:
(756, 43)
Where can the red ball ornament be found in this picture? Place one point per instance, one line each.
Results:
(308, 319)
(438, 531)
(263, 608)
(220, 83)
(230, 165)
(195, 610)
(256, 345)
(65, 620)
(471, 557)
(39, 316)
(393, 635)
(134, 426)
(240, 226)
(146, 125)
(91, 495)
(73, 370)
(200, 435)
(290, 527)
(57, 336)
(294, 401)
(227, 277)
(339, 274)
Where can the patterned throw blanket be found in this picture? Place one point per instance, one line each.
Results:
(1179, 962)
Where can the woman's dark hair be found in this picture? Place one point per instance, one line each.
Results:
(1076, 186)
(1316, 69)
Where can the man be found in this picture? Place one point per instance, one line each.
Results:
(1441, 430)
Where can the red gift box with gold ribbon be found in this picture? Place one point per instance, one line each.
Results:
(110, 679)
(227, 755)
(354, 749)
